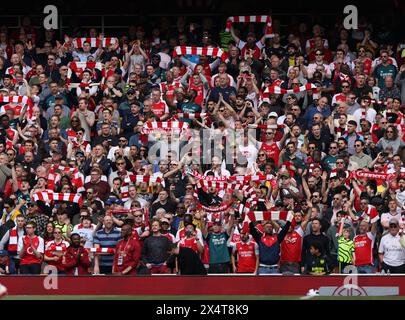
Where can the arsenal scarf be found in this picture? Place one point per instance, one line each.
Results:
(94, 42)
(93, 250)
(255, 19)
(48, 196)
(237, 179)
(269, 215)
(279, 90)
(202, 51)
(151, 127)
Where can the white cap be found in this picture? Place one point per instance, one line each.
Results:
(273, 114)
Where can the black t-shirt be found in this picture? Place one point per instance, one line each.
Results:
(189, 262)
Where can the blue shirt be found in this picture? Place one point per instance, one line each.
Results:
(107, 240)
(314, 110)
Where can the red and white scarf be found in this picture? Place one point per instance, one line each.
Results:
(93, 250)
(176, 126)
(279, 90)
(202, 51)
(94, 42)
(239, 179)
(266, 215)
(256, 19)
(382, 102)
(49, 196)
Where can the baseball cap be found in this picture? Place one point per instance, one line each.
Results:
(394, 221)
(164, 220)
(5, 89)
(131, 91)
(79, 152)
(3, 253)
(273, 114)
(58, 97)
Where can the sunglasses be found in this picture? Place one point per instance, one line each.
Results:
(339, 162)
(262, 155)
(318, 54)
(332, 147)
(345, 86)
(138, 216)
(122, 140)
(392, 226)
(269, 133)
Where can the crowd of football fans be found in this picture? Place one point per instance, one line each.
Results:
(140, 154)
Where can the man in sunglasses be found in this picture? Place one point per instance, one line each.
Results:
(384, 67)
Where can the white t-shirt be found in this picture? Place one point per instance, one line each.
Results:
(370, 115)
(394, 253)
(86, 233)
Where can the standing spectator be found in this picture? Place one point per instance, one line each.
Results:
(127, 253)
(245, 254)
(390, 252)
(30, 250)
(76, 260)
(384, 69)
(363, 247)
(51, 256)
(220, 259)
(188, 261)
(107, 237)
(316, 236)
(155, 251)
(269, 244)
(12, 237)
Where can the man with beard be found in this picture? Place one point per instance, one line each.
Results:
(245, 253)
(190, 106)
(128, 253)
(250, 44)
(169, 86)
(292, 245)
(269, 244)
(76, 259)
